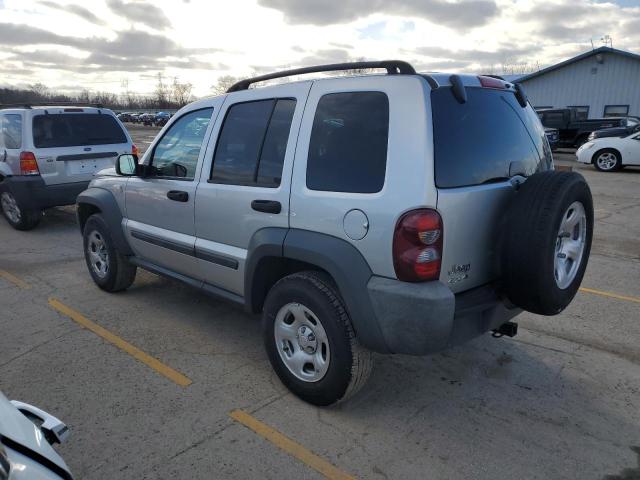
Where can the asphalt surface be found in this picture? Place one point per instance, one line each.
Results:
(560, 400)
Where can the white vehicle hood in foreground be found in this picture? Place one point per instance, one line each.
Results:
(19, 429)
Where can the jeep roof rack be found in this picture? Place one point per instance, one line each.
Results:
(30, 105)
(393, 67)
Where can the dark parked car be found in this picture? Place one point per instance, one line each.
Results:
(161, 118)
(617, 131)
(573, 130)
(553, 137)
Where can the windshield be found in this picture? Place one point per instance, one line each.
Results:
(489, 137)
(74, 130)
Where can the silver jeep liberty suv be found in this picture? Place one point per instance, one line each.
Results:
(392, 213)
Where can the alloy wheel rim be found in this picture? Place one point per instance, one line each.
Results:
(10, 207)
(98, 254)
(570, 244)
(607, 161)
(302, 342)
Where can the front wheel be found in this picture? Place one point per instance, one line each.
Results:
(110, 270)
(607, 160)
(18, 217)
(310, 341)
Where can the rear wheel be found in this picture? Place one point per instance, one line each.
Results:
(310, 341)
(18, 217)
(608, 160)
(110, 270)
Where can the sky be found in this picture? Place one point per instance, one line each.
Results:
(115, 45)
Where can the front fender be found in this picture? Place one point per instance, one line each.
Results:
(103, 201)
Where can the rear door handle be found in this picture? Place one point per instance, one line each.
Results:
(266, 206)
(178, 196)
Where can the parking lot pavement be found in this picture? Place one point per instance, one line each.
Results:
(560, 400)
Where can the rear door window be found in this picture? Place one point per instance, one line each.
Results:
(253, 142)
(348, 145)
(488, 138)
(76, 129)
(11, 131)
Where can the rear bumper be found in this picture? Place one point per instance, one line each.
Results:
(32, 193)
(423, 318)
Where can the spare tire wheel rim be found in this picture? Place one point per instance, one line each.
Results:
(98, 254)
(607, 161)
(570, 245)
(302, 342)
(10, 207)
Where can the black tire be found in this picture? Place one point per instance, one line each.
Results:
(119, 273)
(611, 153)
(349, 363)
(532, 240)
(581, 140)
(26, 219)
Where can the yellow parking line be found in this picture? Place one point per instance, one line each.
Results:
(13, 279)
(135, 352)
(611, 295)
(284, 443)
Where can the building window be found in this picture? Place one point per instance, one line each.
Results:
(542, 108)
(582, 111)
(616, 110)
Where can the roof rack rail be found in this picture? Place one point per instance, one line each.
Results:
(30, 105)
(393, 67)
(493, 76)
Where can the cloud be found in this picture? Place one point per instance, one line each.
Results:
(141, 12)
(76, 10)
(131, 50)
(475, 56)
(467, 14)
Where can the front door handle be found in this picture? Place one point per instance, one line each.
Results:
(178, 196)
(266, 206)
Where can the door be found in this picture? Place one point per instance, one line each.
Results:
(11, 140)
(245, 182)
(160, 207)
(631, 154)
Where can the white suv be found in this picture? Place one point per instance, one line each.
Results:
(48, 155)
(397, 213)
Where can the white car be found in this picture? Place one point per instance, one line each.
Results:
(26, 438)
(609, 154)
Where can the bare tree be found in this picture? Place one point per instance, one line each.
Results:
(40, 90)
(223, 83)
(181, 92)
(161, 92)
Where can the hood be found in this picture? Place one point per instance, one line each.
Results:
(19, 429)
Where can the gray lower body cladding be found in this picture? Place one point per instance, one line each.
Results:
(423, 318)
(32, 193)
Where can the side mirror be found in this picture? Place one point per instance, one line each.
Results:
(127, 165)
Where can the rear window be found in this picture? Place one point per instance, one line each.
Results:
(488, 138)
(74, 130)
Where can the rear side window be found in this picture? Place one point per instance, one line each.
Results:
(253, 142)
(11, 130)
(488, 138)
(348, 146)
(76, 129)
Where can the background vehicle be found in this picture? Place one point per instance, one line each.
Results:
(161, 118)
(616, 132)
(609, 154)
(444, 241)
(28, 434)
(553, 137)
(48, 155)
(575, 131)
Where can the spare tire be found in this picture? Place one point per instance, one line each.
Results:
(547, 241)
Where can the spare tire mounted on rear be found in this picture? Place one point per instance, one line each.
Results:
(547, 241)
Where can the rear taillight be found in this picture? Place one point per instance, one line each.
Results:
(134, 150)
(417, 246)
(28, 164)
